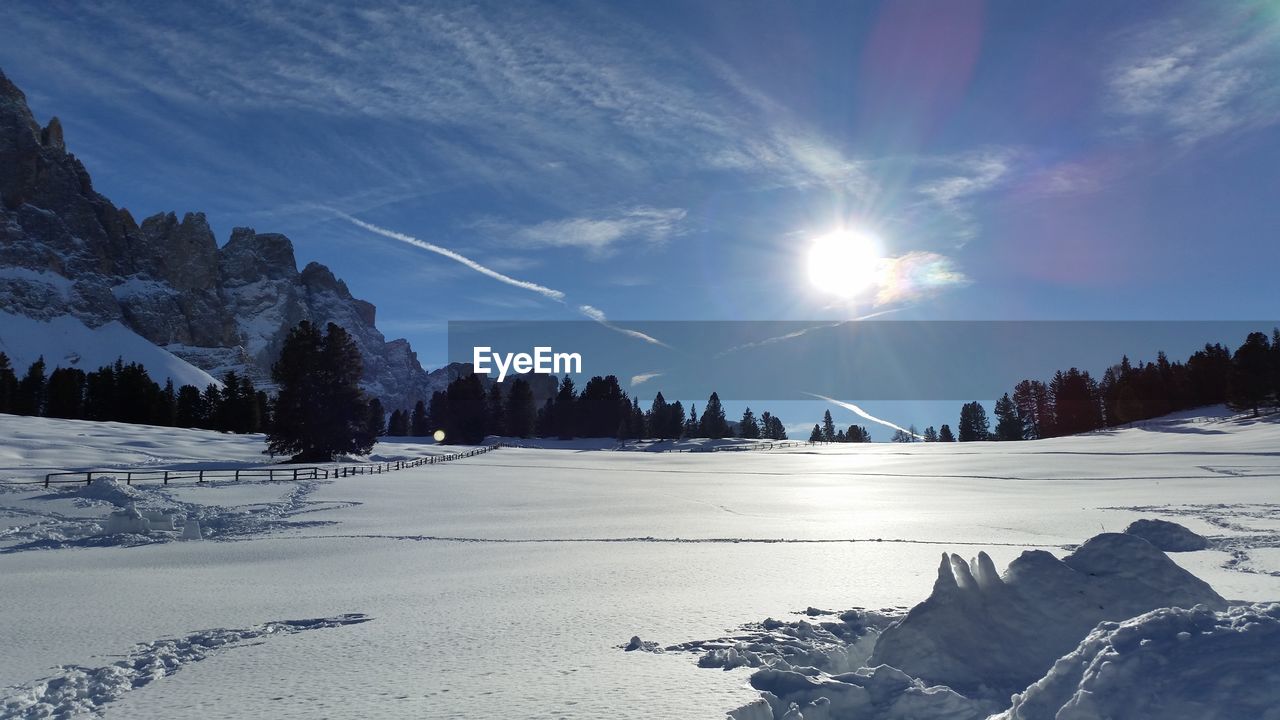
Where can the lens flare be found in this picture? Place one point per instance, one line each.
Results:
(845, 263)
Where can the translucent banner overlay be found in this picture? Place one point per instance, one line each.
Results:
(863, 360)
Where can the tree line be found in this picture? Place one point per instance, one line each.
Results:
(465, 412)
(125, 392)
(1073, 401)
(827, 432)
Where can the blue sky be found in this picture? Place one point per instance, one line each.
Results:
(663, 160)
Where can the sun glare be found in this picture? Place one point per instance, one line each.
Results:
(844, 263)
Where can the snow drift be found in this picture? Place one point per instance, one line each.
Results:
(1171, 664)
(982, 637)
(987, 635)
(1168, 536)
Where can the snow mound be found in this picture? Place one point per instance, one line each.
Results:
(107, 489)
(989, 636)
(76, 690)
(126, 521)
(882, 692)
(832, 646)
(1170, 664)
(1168, 536)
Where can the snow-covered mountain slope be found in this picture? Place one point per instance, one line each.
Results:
(67, 251)
(65, 341)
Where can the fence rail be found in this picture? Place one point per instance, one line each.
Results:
(270, 474)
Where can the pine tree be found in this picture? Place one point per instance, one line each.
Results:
(1008, 425)
(691, 428)
(1250, 383)
(189, 413)
(1275, 366)
(816, 436)
(713, 423)
(675, 420)
(902, 436)
(497, 408)
(545, 420)
(398, 424)
(1077, 403)
(265, 405)
(601, 408)
(1031, 398)
(828, 427)
(230, 409)
(930, 434)
(748, 428)
(520, 412)
(168, 414)
(31, 389)
(210, 404)
(64, 394)
(8, 385)
(418, 425)
(777, 431)
(657, 418)
(564, 416)
(320, 410)
(973, 422)
(376, 419)
(466, 409)
(944, 434)
(250, 409)
(639, 428)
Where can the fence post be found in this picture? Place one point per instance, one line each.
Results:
(200, 478)
(166, 477)
(295, 473)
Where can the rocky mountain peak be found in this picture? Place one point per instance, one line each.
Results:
(183, 253)
(68, 251)
(51, 136)
(249, 257)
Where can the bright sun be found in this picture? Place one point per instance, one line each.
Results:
(844, 263)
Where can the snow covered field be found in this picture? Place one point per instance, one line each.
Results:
(503, 585)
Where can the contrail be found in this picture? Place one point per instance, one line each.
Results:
(803, 331)
(542, 290)
(591, 312)
(863, 413)
(599, 316)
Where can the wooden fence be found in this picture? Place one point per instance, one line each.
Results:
(270, 474)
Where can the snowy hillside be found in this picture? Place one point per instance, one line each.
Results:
(66, 342)
(507, 585)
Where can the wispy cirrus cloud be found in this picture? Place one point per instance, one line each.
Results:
(1197, 80)
(599, 234)
(959, 182)
(500, 93)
